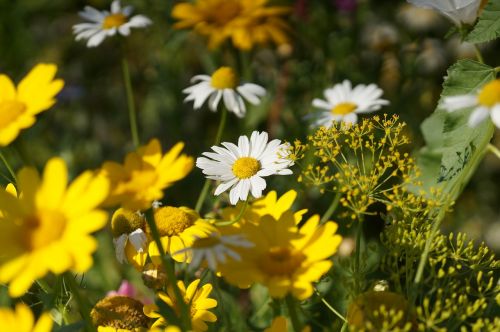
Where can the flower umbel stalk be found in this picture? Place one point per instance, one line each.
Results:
(331, 209)
(131, 103)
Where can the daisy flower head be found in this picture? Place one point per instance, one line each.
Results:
(119, 313)
(195, 297)
(19, 105)
(459, 11)
(224, 85)
(129, 237)
(486, 103)
(22, 319)
(242, 167)
(107, 23)
(48, 228)
(343, 103)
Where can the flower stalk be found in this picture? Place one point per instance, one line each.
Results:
(130, 103)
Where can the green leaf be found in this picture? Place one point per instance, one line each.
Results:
(453, 150)
(488, 26)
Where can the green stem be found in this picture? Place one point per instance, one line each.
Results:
(331, 209)
(9, 168)
(329, 306)
(493, 149)
(292, 312)
(83, 303)
(171, 278)
(479, 56)
(235, 220)
(130, 102)
(218, 138)
(344, 327)
(357, 257)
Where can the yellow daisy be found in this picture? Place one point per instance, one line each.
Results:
(19, 106)
(48, 227)
(144, 175)
(245, 22)
(21, 320)
(197, 299)
(285, 259)
(178, 228)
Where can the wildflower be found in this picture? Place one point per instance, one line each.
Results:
(280, 324)
(223, 84)
(243, 167)
(34, 94)
(459, 11)
(343, 103)
(486, 102)
(144, 175)
(246, 23)
(284, 258)
(21, 319)
(48, 228)
(178, 227)
(121, 313)
(106, 24)
(129, 238)
(197, 300)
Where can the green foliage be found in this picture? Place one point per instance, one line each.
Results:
(488, 27)
(454, 150)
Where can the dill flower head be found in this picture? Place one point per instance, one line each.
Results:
(223, 84)
(178, 228)
(48, 228)
(21, 320)
(284, 258)
(19, 106)
(119, 312)
(197, 299)
(144, 174)
(129, 238)
(486, 103)
(107, 23)
(246, 23)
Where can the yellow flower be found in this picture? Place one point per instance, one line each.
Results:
(285, 259)
(270, 204)
(119, 313)
(178, 228)
(18, 106)
(245, 22)
(196, 298)
(144, 175)
(21, 320)
(48, 227)
(280, 324)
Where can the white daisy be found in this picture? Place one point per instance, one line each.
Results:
(486, 102)
(243, 167)
(459, 11)
(223, 84)
(137, 238)
(215, 249)
(343, 103)
(106, 24)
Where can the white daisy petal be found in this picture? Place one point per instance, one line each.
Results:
(478, 115)
(454, 103)
(120, 243)
(138, 239)
(495, 115)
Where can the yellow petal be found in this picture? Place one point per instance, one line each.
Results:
(55, 180)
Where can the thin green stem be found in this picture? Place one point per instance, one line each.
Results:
(171, 278)
(479, 56)
(9, 168)
(130, 102)
(235, 220)
(291, 305)
(329, 306)
(331, 209)
(344, 327)
(357, 257)
(82, 301)
(218, 138)
(493, 149)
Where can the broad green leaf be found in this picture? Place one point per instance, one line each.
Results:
(454, 150)
(488, 26)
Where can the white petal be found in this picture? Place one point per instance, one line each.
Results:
(244, 146)
(120, 243)
(115, 6)
(214, 100)
(495, 115)
(138, 239)
(454, 103)
(139, 21)
(478, 116)
(319, 103)
(224, 186)
(350, 118)
(96, 39)
(258, 185)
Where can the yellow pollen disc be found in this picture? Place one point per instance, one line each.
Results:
(224, 78)
(114, 21)
(490, 94)
(10, 110)
(206, 242)
(172, 221)
(281, 261)
(246, 167)
(119, 312)
(43, 229)
(343, 109)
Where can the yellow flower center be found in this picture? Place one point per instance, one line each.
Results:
(246, 167)
(223, 12)
(172, 221)
(278, 261)
(43, 229)
(343, 109)
(10, 110)
(490, 94)
(119, 312)
(206, 242)
(114, 21)
(125, 222)
(224, 78)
